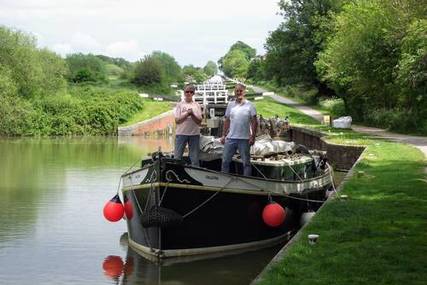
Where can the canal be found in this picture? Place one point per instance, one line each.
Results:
(52, 230)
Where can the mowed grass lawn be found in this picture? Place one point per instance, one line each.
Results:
(269, 108)
(376, 236)
(150, 109)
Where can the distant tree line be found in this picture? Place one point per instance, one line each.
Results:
(372, 54)
(42, 94)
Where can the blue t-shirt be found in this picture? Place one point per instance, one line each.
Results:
(240, 116)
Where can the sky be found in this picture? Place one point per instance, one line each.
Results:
(192, 31)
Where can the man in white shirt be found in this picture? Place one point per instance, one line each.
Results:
(239, 130)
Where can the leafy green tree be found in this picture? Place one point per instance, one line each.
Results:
(170, 68)
(32, 71)
(7, 84)
(412, 72)
(245, 48)
(148, 72)
(120, 62)
(193, 74)
(256, 69)
(117, 67)
(210, 69)
(54, 71)
(376, 61)
(235, 64)
(86, 68)
(113, 71)
(292, 48)
(247, 51)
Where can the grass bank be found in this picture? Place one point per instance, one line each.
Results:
(378, 235)
(149, 110)
(269, 108)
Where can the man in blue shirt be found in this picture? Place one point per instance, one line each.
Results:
(239, 130)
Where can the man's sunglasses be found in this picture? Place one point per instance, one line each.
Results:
(189, 91)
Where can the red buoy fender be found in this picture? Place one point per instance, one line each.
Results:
(273, 214)
(113, 209)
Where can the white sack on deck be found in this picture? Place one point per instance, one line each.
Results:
(264, 145)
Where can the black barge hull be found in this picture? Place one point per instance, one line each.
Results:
(177, 210)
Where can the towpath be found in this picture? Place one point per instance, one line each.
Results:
(418, 141)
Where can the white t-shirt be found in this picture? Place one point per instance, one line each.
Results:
(240, 115)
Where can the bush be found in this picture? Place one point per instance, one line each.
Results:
(86, 110)
(398, 120)
(16, 115)
(307, 94)
(148, 72)
(86, 68)
(334, 106)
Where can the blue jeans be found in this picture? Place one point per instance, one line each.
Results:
(193, 145)
(230, 148)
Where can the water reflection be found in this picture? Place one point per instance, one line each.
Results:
(236, 269)
(33, 169)
(53, 231)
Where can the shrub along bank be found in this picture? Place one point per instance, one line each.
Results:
(84, 110)
(377, 235)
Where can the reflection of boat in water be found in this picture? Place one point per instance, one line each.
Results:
(236, 269)
(177, 210)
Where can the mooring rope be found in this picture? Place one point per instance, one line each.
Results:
(170, 171)
(210, 198)
(284, 194)
(299, 177)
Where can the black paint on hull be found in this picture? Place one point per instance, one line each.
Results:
(209, 218)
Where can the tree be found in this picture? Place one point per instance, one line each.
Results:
(235, 64)
(148, 72)
(256, 69)
(32, 71)
(292, 48)
(245, 48)
(247, 51)
(54, 71)
(171, 70)
(412, 72)
(193, 74)
(376, 61)
(210, 68)
(86, 68)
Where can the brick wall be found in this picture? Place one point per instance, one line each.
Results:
(340, 156)
(161, 125)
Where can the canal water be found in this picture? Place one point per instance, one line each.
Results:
(52, 230)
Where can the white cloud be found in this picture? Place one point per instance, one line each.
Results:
(85, 43)
(131, 28)
(62, 49)
(128, 49)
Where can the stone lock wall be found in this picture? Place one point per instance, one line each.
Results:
(340, 156)
(161, 125)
